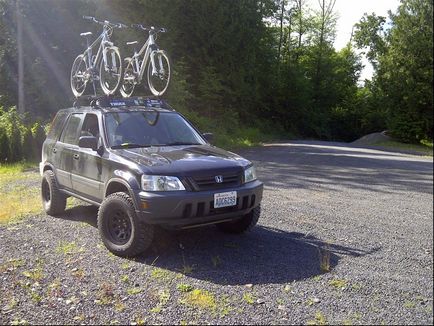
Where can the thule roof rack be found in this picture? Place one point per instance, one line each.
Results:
(117, 102)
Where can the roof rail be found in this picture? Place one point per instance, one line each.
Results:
(112, 102)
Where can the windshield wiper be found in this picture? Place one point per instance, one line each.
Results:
(177, 143)
(129, 145)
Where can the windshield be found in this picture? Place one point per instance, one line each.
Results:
(149, 128)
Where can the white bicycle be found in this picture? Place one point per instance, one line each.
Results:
(151, 57)
(107, 59)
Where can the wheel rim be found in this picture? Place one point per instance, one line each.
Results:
(78, 77)
(128, 81)
(46, 196)
(119, 227)
(159, 82)
(111, 77)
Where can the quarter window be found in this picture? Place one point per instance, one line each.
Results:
(70, 133)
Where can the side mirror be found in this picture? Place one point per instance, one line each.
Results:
(209, 136)
(88, 142)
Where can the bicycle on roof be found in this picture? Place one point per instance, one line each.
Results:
(151, 57)
(107, 59)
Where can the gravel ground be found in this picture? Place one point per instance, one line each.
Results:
(365, 215)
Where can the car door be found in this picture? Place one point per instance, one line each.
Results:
(87, 164)
(64, 149)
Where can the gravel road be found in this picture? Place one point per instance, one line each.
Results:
(364, 215)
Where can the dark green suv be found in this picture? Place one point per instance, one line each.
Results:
(144, 165)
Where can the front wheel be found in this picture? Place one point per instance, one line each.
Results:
(129, 79)
(53, 201)
(159, 75)
(110, 72)
(121, 230)
(79, 77)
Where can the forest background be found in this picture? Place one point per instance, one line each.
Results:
(247, 70)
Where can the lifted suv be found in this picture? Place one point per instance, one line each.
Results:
(144, 165)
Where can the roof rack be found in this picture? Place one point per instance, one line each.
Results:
(116, 102)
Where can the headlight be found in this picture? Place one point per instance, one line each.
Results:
(249, 174)
(161, 183)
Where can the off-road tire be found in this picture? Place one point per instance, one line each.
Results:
(53, 201)
(118, 208)
(246, 223)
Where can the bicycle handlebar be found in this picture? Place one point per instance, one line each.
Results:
(106, 22)
(152, 28)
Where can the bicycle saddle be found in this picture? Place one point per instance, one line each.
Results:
(86, 34)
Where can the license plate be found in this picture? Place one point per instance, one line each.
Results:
(225, 199)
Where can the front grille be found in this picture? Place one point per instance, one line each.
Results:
(206, 208)
(209, 182)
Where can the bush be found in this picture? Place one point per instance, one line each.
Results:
(4, 145)
(17, 140)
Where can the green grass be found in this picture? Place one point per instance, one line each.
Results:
(69, 248)
(424, 148)
(200, 299)
(17, 198)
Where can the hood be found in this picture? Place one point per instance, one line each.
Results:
(184, 160)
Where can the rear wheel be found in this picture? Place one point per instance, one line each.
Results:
(110, 73)
(120, 228)
(129, 79)
(159, 78)
(53, 200)
(246, 223)
(78, 76)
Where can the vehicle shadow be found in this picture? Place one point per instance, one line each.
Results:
(263, 256)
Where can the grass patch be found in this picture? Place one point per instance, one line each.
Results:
(424, 148)
(11, 265)
(319, 319)
(14, 168)
(68, 248)
(184, 287)
(134, 291)
(163, 275)
(248, 298)
(338, 283)
(201, 299)
(17, 198)
(34, 274)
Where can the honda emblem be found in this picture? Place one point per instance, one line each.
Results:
(218, 178)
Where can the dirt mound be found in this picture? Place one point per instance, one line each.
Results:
(376, 137)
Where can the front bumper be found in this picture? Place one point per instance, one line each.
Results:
(187, 209)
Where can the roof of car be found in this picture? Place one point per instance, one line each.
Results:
(111, 104)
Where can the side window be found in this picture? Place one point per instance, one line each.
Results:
(90, 126)
(57, 125)
(70, 133)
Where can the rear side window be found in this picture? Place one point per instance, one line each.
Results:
(70, 133)
(57, 125)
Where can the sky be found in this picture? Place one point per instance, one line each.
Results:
(349, 13)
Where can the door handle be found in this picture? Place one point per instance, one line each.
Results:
(54, 150)
(76, 156)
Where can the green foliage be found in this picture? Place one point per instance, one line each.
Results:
(18, 140)
(403, 58)
(241, 69)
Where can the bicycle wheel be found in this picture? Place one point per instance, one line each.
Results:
(158, 80)
(129, 79)
(78, 76)
(110, 76)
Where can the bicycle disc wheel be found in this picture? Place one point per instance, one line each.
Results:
(110, 76)
(129, 79)
(78, 76)
(158, 80)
